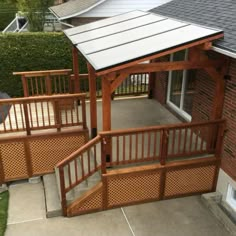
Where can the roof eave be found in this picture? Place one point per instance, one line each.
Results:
(224, 52)
(78, 13)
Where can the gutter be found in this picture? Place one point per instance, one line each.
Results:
(224, 52)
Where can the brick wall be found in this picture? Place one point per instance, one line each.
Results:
(203, 97)
(229, 112)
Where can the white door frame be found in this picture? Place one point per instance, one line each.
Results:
(178, 110)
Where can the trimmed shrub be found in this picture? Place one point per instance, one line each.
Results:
(7, 14)
(30, 52)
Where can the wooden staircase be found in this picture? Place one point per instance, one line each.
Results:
(160, 162)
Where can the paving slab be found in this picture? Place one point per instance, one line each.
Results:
(106, 223)
(177, 217)
(26, 203)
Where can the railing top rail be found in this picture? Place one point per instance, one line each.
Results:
(84, 148)
(43, 98)
(84, 76)
(43, 72)
(156, 128)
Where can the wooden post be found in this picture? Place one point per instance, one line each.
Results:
(151, 83)
(106, 115)
(26, 114)
(76, 70)
(25, 86)
(218, 99)
(93, 100)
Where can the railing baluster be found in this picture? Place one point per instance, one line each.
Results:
(142, 157)
(136, 147)
(130, 147)
(117, 150)
(179, 141)
(15, 116)
(69, 175)
(155, 145)
(124, 148)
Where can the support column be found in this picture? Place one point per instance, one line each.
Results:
(76, 69)
(106, 104)
(93, 100)
(106, 117)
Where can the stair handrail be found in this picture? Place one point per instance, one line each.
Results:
(81, 150)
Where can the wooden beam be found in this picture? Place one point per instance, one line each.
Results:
(118, 80)
(76, 69)
(168, 66)
(93, 100)
(158, 55)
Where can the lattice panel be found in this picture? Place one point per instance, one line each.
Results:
(92, 202)
(47, 152)
(13, 159)
(130, 188)
(193, 180)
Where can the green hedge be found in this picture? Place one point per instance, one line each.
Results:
(7, 14)
(29, 52)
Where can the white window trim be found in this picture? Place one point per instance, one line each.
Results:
(178, 110)
(229, 197)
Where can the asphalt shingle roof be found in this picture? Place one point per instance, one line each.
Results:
(213, 13)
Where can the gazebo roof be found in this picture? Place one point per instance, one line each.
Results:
(135, 36)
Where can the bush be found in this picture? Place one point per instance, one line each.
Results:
(4, 198)
(7, 14)
(30, 52)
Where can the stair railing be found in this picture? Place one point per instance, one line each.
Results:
(88, 158)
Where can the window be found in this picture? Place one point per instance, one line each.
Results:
(181, 85)
(231, 197)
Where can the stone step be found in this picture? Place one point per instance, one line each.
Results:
(52, 199)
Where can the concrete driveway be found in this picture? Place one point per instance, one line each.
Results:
(177, 217)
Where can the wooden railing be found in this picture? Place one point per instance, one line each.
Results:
(159, 143)
(38, 83)
(43, 112)
(80, 165)
(48, 82)
(163, 143)
(134, 84)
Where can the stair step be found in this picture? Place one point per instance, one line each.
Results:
(53, 204)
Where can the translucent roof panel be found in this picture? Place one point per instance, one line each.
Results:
(133, 36)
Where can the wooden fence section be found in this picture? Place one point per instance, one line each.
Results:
(26, 156)
(134, 84)
(38, 83)
(43, 112)
(49, 82)
(163, 143)
(186, 162)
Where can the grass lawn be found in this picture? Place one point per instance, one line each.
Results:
(4, 197)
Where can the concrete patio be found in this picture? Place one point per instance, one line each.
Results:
(183, 216)
(177, 217)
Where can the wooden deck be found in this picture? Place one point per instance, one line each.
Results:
(49, 112)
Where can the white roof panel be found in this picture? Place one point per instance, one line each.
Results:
(114, 29)
(109, 45)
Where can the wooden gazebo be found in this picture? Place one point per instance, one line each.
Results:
(115, 47)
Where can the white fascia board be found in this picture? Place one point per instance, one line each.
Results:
(224, 52)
